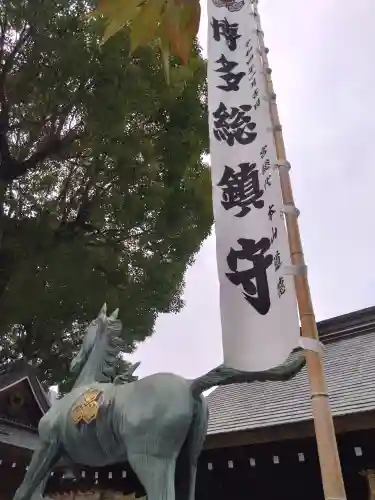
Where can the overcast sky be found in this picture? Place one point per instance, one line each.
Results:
(321, 53)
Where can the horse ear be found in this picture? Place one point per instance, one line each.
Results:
(114, 315)
(134, 367)
(103, 310)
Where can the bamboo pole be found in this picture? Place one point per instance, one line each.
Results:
(333, 483)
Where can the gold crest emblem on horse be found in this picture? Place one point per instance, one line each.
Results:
(87, 408)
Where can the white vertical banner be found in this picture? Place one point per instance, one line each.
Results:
(259, 318)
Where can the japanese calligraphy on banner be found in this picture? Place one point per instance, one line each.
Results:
(259, 317)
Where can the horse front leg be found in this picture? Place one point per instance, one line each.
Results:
(42, 462)
(39, 492)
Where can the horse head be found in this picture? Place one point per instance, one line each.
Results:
(102, 335)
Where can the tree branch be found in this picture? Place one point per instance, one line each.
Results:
(81, 222)
(3, 28)
(7, 163)
(62, 200)
(7, 66)
(53, 146)
(5, 155)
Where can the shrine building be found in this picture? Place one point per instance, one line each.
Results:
(260, 443)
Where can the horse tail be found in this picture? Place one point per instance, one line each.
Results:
(223, 375)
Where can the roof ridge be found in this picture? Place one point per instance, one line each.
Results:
(346, 332)
(354, 318)
(18, 423)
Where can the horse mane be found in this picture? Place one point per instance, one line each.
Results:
(111, 352)
(101, 347)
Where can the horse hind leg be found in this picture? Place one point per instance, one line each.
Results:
(187, 461)
(35, 479)
(156, 474)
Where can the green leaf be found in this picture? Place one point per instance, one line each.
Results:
(118, 13)
(146, 22)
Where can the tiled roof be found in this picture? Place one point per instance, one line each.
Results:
(349, 359)
(19, 438)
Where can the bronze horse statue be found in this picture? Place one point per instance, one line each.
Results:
(158, 424)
